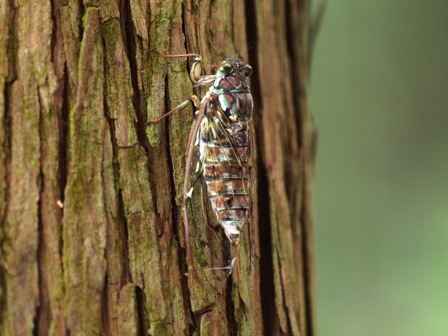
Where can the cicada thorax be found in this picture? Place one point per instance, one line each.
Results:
(224, 146)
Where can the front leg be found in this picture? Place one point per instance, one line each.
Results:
(196, 68)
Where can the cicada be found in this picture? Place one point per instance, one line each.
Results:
(222, 132)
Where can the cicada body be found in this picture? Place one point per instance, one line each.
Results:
(224, 147)
(222, 130)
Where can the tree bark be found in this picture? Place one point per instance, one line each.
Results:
(91, 200)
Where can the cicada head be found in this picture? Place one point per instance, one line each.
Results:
(232, 67)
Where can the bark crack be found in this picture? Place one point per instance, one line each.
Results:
(284, 296)
(199, 315)
(64, 131)
(82, 12)
(105, 327)
(140, 301)
(54, 30)
(230, 308)
(39, 314)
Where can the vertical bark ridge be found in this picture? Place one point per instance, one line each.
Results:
(304, 119)
(8, 75)
(270, 316)
(295, 32)
(85, 220)
(30, 102)
(117, 250)
(130, 36)
(133, 210)
(177, 231)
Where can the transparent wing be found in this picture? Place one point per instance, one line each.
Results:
(225, 165)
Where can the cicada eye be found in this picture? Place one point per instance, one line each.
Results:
(225, 68)
(248, 70)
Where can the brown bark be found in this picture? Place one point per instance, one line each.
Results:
(91, 199)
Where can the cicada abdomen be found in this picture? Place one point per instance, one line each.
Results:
(225, 147)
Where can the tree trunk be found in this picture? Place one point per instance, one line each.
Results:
(91, 200)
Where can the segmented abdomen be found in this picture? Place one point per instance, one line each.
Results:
(225, 156)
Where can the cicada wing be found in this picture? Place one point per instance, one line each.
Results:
(205, 238)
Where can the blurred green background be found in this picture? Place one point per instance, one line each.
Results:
(379, 94)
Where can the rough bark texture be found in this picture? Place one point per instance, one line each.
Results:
(90, 199)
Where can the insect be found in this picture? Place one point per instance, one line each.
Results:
(222, 131)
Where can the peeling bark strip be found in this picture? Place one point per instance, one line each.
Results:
(91, 199)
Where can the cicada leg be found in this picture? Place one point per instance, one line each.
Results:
(187, 191)
(194, 99)
(196, 68)
(229, 267)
